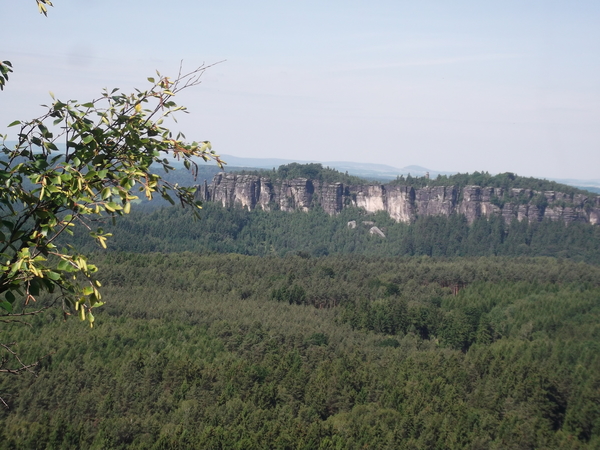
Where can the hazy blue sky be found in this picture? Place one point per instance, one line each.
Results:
(456, 86)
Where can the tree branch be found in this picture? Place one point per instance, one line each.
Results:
(24, 367)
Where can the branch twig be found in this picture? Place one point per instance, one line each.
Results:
(23, 367)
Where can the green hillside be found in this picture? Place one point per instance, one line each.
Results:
(232, 351)
(312, 171)
(505, 181)
(315, 233)
(260, 330)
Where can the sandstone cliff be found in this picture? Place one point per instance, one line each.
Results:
(402, 203)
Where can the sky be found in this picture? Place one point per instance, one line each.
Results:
(461, 86)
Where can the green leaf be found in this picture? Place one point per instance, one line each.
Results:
(168, 198)
(16, 122)
(6, 306)
(88, 290)
(34, 287)
(63, 265)
(10, 297)
(53, 275)
(89, 138)
(106, 193)
(14, 269)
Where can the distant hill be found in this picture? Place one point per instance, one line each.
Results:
(378, 172)
(369, 171)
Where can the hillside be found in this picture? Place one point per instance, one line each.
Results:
(316, 233)
(302, 329)
(232, 351)
(303, 187)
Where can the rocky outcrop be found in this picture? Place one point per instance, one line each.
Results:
(436, 200)
(376, 231)
(397, 201)
(330, 197)
(402, 203)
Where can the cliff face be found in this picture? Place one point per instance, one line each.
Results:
(402, 203)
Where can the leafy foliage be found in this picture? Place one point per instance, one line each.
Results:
(5, 69)
(43, 6)
(111, 143)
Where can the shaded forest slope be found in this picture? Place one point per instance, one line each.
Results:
(237, 230)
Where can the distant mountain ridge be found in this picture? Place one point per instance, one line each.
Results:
(379, 172)
(369, 171)
(372, 171)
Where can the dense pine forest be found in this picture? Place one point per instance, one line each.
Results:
(233, 351)
(292, 330)
(315, 233)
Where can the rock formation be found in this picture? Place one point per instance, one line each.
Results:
(377, 231)
(402, 203)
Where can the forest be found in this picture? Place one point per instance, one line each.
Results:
(260, 330)
(234, 351)
(316, 233)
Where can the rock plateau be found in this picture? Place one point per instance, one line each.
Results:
(402, 203)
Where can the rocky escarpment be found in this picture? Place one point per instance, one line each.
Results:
(402, 203)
